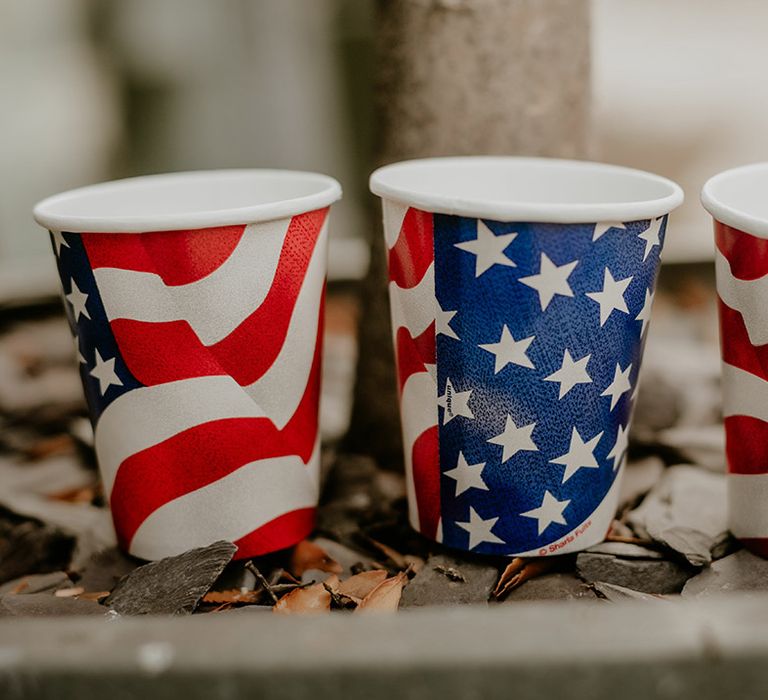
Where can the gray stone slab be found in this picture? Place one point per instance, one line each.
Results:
(742, 571)
(626, 550)
(686, 650)
(440, 582)
(620, 594)
(171, 586)
(685, 496)
(37, 583)
(556, 586)
(644, 575)
(47, 605)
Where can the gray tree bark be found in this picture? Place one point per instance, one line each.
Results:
(461, 77)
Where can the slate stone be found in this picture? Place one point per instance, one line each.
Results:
(724, 545)
(703, 445)
(694, 545)
(556, 586)
(104, 569)
(626, 550)
(742, 571)
(645, 575)
(47, 605)
(684, 497)
(171, 586)
(432, 587)
(29, 547)
(37, 583)
(619, 594)
(639, 477)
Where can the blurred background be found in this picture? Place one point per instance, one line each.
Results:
(99, 89)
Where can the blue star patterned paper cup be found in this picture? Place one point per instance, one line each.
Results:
(521, 293)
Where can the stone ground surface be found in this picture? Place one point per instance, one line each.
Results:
(58, 554)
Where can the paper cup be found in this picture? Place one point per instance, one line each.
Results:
(521, 292)
(196, 301)
(738, 202)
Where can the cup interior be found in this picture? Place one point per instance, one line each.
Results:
(527, 189)
(739, 198)
(187, 200)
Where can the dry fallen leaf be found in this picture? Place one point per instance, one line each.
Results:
(306, 601)
(69, 592)
(392, 554)
(307, 555)
(360, 585)
(386, 596)
(98, 596)
(521, 570)
(235, 595)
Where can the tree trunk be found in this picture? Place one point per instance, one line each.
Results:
(460, 77)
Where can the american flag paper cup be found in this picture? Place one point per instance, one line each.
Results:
(738, 201)
(196, 301)
(521, 293)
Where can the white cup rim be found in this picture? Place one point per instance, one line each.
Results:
(510, 188)
(187, 200)
(727, 197)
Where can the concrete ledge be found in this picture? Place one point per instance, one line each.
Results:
(701, 649)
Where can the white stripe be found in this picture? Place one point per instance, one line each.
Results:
(418, 413)
(745, 296)
(280, 389)
(146, 416)
(748, 504)
(414, 307)
(744, 394)
(230, 507)
(214, 305)
(394, 213)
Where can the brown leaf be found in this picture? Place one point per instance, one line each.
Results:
(307, 555)
(235, 595)
(50, 446)
(311, 600)
(386, 596)
(521, 570)
(392, 554)
(360, 585)
(85, 494)
(98, 596)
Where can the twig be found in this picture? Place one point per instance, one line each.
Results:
(260, 578)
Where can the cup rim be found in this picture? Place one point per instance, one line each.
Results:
(728, 214)
(311, 191)
(384, 183)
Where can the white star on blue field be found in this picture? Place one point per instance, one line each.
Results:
(537, 360)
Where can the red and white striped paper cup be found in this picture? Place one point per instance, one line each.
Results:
(196, 302)
(738, 202)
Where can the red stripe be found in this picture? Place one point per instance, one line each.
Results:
(736, 347)
(756, 545)
(746, 445)
(747, 254)
(413, 353)
(413, 251)
(156, 353)
(178, 257)
(205, 453)
(284, 531)
(426, 479)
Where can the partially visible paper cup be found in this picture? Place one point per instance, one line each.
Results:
(738, 201)
(521, 293)
(196, 301)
